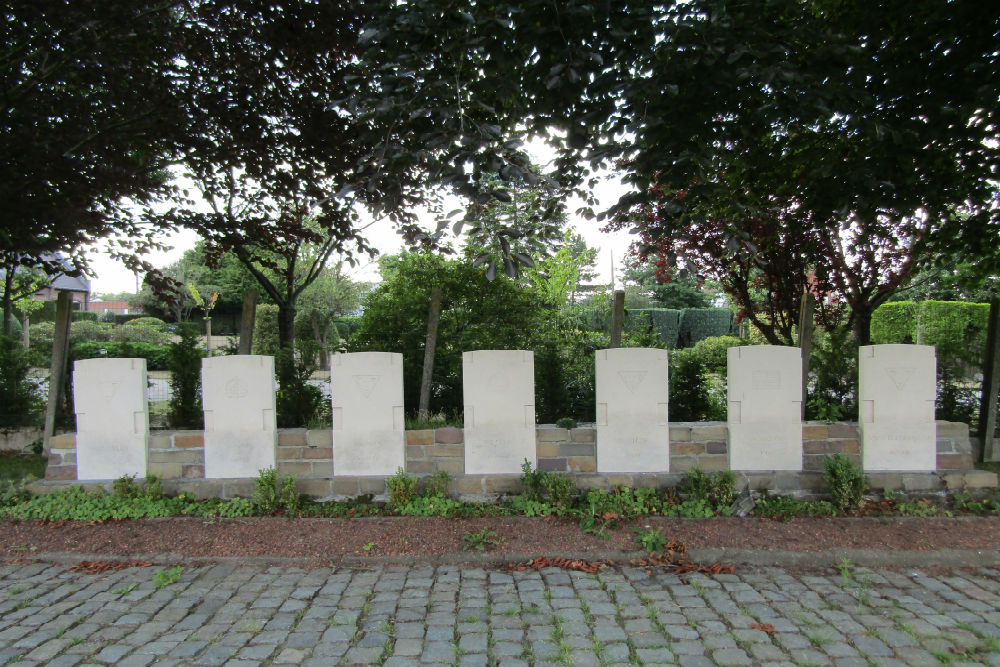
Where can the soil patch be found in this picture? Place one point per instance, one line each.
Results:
(333, 540)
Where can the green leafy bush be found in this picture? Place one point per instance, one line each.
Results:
(133, 333)
(437, 484)
(718, 489)
(157, 356)
(846, 480)
(265, 492)
(265, 330)
(690, 387)
(476, 315)
(184, 363)
(402, 488)
(713, 352)
(146, 321)
(20, 405)
(288, 495)
(832, 391)
(298, 403)
(429, 506)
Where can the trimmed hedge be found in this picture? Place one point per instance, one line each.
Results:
(957, 329)
(675, 328)
(701, 323)
(666, 322)
(157, 356)
(895, 322)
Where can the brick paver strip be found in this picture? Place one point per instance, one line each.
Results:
(270, 616)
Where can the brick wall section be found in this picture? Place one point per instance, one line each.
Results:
(178, 457)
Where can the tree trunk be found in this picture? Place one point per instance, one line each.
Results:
(863, 326)
(8, 287)
(320, 336)
(617, 319)
(57, 369)
(991, 386)
(247, 319)
(433, 319)
(805, 342)
(208, 335)
(286, 326)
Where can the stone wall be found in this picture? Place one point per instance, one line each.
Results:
(178, 457)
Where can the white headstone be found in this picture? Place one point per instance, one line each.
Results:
(112, 418)
(632, 391)
(499, 391)
(765, 407)
(369, 434)
(241, 438)
(896, 407)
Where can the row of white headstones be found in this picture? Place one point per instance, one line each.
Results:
(896, 399)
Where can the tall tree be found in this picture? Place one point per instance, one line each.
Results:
(872, 115)
(88, 119)
(18, 280)
(666, 290)
(333, 294)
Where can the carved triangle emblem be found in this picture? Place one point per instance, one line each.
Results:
(632, 379)
(900, 375)
(366, 384)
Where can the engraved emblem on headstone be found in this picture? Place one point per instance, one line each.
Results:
(499, 382)
(366, 384)
(767, 380)
(108, 390)
(900, 375)
(236, 388)
(632, 379)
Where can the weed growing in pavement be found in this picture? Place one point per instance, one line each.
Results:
(124, 590)
(164, 578)
(846, 568)
(368, 547)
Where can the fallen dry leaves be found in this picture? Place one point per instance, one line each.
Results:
(98, 566)
(588, 566)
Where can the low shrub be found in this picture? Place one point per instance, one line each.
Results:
(437, 484)
(402, 488)
(265, 492)
(846, 480)
(717, 488)
(713, 352)
(556, 488)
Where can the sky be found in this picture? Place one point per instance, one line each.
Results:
(111, 276)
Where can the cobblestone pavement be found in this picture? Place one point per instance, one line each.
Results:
(238, 616)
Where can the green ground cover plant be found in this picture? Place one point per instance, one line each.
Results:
(700, 495)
